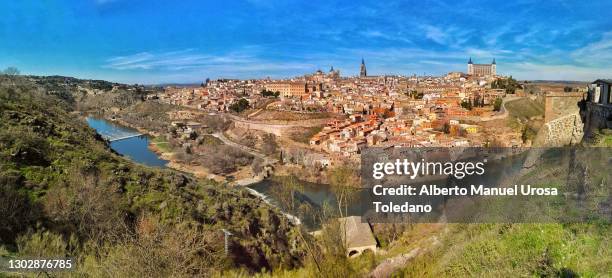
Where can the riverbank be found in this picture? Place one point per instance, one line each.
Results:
(140, 129)
(302, 174)
(243, 176)
(197, 171)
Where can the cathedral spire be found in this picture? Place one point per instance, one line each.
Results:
(362, 70)
(470, 61)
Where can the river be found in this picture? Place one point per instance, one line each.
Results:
(137, 149)
(308, 202)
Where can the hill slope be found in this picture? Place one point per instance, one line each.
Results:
(65, 193)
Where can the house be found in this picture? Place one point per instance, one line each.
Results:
(600, 92)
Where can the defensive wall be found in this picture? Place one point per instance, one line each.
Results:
(563, 124)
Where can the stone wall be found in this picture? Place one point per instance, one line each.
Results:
(565, 123)
(277, 130)
(566, 130)
(558, 105)
(597, 116)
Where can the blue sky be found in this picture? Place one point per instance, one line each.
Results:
(149, 41)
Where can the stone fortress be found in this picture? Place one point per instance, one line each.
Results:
(481, 69)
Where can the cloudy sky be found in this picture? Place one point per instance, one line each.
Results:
(154, 41)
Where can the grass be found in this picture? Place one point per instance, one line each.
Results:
(305, 135)
(162, 144)
(210, 140)
(518, 250)
(291, 116)
(526, 116)
(607, 141)
(604, 138)
(525, 108)
(529, 249)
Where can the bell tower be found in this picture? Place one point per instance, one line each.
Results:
(362, 69)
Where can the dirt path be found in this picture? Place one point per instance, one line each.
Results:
(225, 140)
(503, 109)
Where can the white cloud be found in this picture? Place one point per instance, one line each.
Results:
(190, 62)
(530, 71)
(449, 36)
(375, 34)
(435, 34)
(597, 52)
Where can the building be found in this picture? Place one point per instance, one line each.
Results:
(596, 111)
(287, 88)
(334, 73)
(357, 236)
(362, 69)
(481, 69)
(600, 92)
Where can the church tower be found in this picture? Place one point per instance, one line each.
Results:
(493, 68)
(362, 70)
(470, 67)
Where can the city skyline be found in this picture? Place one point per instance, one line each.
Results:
(145, 42)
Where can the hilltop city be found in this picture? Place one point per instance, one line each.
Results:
(389, 110)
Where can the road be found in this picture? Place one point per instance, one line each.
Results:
(503, 110)
(267, 160)
(281, 124)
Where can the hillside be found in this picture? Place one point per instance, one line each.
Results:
(66, 193)
(526, 116)
(559, 247)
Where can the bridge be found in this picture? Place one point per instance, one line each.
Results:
(112, 138)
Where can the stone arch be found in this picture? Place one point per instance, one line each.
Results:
(353, 253)
(358, 251)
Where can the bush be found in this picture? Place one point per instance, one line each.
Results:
(267, 93)
(17, 211)
(497, 104)
(240, 105)
(43, 244)
(64, 192)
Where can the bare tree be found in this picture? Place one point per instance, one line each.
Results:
(344, 183)
(12, 71)
(164, 250)
(257, 165)
(269, 144)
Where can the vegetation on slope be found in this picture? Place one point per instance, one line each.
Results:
(65, 193)
(517, 250)
(578, 244)
(509, 84)
(602, 138)
(526, 115)
(568, 248)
